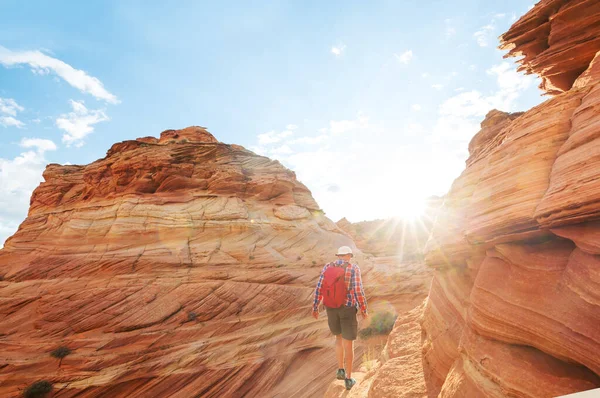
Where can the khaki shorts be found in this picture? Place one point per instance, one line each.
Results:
(343, 321)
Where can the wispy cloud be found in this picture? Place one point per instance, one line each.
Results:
(338, 50)
(281, 150)
(42, 145)
(338, 127)
(415, 107)
(486, 33)
(8, 113)
(437, 86)
(308, 140)
(461, 114)
(79, 123)
(9, 106)
(272, 137)
(483, 35)
(450, 29)
(44, 64)
(9, 121)
(405, 57)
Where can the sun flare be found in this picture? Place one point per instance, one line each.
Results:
(410, 209)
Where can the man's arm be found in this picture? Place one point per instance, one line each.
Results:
(360, 293)
(318, 294)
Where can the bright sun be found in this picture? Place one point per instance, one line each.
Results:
(409, 209)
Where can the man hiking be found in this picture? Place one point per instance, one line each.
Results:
(340, 288)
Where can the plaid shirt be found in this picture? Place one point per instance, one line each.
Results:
(356, 294)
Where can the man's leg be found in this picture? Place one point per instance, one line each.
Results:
(349, 354)
(349, 325)
(335, 326)
(339, 351)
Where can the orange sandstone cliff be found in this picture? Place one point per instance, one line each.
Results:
(178, 267)
(514, 307)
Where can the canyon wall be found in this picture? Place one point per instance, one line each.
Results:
(514, 307)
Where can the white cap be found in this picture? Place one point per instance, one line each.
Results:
(343, 250)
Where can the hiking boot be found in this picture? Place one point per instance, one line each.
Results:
(341, 374)
(350, 383)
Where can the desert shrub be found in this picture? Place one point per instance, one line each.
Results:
(314, 262)
(280, 265)
(382, 323)
(61, 352)
(299, 258)
(251, 257)
(192, 316)
(39, 389)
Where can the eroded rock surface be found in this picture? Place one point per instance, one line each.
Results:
(514, 308)
(178, 266)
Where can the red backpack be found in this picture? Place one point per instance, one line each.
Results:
(334, 287)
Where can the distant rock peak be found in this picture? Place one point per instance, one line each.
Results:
(192, 133)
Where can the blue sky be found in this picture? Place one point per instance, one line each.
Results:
(371, 103)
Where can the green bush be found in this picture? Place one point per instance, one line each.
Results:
(382, 323)
(39, 389)
(61, 352)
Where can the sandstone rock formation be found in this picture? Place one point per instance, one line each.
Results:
(178, 266)
(514, 308)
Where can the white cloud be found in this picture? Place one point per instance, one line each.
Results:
(416, 107)
(9, 107)
(282, 150)
(437, 86)
(291, 127)
(78, 124)
(272, 137)
(42, 145)
(414, 129)
(466, 105)
(405, 57)
(310, 140)
(337, 127)
(43, 64)
(473, 67)
(18, 178)
(484, 34)
(425, 75)
(450, 29)
(338, 50)
(8, 121)
(461, 114)
(508, 78)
